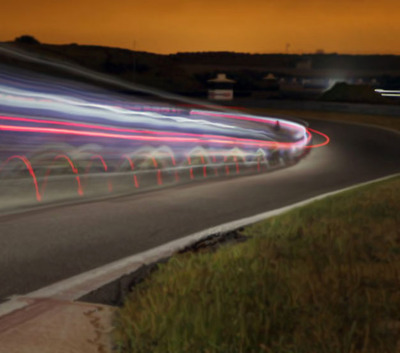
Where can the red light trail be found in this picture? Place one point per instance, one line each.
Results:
(199, 138)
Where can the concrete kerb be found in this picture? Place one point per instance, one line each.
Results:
(76, 287)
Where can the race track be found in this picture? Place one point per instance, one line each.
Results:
(40, 247)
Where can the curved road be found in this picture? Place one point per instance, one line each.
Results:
(41, 247)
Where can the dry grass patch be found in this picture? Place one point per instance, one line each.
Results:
(321, 278)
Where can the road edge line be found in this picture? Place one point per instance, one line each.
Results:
(75, 287)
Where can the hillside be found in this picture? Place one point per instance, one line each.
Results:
(187, 73)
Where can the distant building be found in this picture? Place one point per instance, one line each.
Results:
(374, 82)
(316, 83)
(304, 64)
(271, 82)
(363, 81)
(270, 77)
(220, 88)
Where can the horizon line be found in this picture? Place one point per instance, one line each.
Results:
(316, 52)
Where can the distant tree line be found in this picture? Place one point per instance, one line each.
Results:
(26, 39)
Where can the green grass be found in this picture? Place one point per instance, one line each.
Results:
(321, 278)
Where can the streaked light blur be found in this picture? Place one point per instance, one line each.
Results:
(388, 92)
(62, 141)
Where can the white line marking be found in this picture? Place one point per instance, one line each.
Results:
(84, 283)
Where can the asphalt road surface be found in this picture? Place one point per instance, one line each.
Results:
(38, 248)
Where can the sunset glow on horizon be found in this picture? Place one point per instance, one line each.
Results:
(254, 26)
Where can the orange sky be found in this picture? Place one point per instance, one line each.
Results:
(263, 26)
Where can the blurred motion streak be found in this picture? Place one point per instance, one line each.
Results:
(388, 93)
(60, 142)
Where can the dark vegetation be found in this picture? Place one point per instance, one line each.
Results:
(187, 73)
(26, 39)
(343, 92)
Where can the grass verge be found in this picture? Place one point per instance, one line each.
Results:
(321, 278)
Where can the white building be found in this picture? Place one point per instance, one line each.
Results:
(220, 88)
